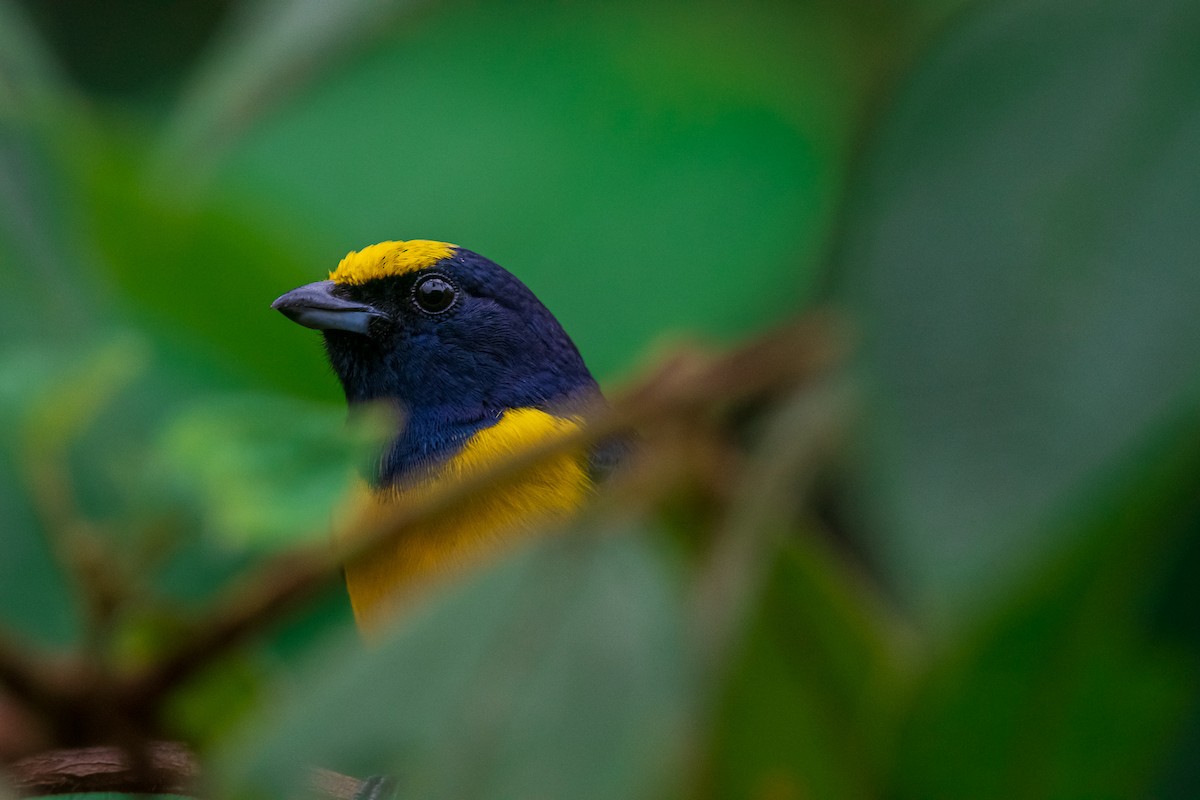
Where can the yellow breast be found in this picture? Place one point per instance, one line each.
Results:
(498, 517)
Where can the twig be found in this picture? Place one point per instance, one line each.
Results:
(334, 785)
(787, 357)
(782, 474)
(26, 674)
(252, 604)
(79, 544)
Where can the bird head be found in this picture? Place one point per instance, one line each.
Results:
(451, 337)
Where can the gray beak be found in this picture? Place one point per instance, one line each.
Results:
(315, 306)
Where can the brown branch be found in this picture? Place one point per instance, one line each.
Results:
(170, 769)
(79, 544)
(29, 675)
(253, 603)
(334, 785)
(687, 384)
(783, 474)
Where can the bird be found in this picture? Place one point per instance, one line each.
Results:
(479, 370)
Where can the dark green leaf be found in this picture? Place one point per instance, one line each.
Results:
(266, 51)
(1069, 691)
(1022, 250)
(560, 673)
(811, 705)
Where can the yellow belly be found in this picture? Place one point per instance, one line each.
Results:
(493, 519)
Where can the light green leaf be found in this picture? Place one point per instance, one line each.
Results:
(268, 471)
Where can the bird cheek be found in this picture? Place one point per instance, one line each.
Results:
(390, 331)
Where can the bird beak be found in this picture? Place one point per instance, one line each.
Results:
(315, 306)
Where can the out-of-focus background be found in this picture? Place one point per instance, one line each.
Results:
(997, 594)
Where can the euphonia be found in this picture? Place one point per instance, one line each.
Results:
(479, 369)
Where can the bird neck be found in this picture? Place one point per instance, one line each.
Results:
(478, 527)
(431, 434)
(428, 437)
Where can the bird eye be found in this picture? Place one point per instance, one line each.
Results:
(434, 294)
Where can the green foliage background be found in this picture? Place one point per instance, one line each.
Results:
(1000, 196)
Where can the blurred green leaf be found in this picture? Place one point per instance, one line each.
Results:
(267, 470)
(39, 274)
(98, 419)
(1181, 773)
(559, 673)
(1176, 621)
(811, 705)
(1022, 252)
(80, 393)
(200, 272)
(268, 50)
(1067, 691)
(47, 400)
(34, 598)
(29, 75)
(212, 705)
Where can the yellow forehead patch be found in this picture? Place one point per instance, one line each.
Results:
(390, 258)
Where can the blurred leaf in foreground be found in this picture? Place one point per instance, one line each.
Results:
(1023, 253)
(1176, 620)
(559, 673)
(1069, 691)
(812, 702)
